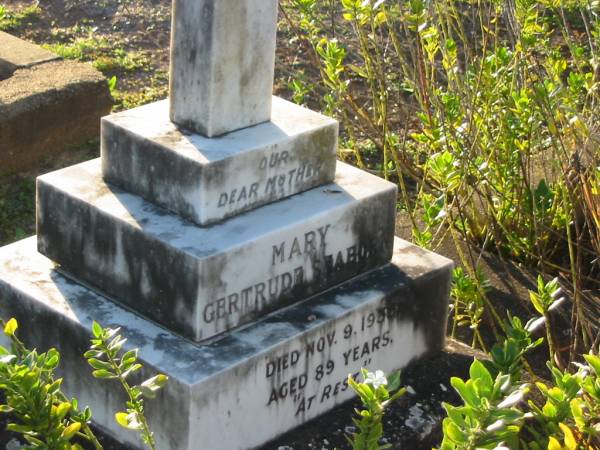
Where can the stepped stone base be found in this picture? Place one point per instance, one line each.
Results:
(207, 180)
(202, 281)
(255, 382)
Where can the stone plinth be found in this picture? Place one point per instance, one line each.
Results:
(222, 64)
(207, 180)
(203, 281)
(256, 382)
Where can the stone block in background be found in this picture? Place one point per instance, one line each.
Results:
(255, 382)
(203, 281)
(16, 54)
(207, 180)
(47, 108)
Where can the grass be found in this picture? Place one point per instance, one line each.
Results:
(158, 89)
(122, 60)
(17, 208)
(115, 62)
(103, 55)
(11, 20)
(80, 49)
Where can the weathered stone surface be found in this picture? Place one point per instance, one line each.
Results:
(222, 64)
(16, 54)
(48, 108)
(207, 180)
(203, 281)
(281, 370)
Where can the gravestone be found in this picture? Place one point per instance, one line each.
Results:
(249, 267)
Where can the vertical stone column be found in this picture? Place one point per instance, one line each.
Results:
(222, 64)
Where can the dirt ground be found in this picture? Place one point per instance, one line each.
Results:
(140, 30)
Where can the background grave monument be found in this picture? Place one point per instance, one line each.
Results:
(243, 262)
(42, 97)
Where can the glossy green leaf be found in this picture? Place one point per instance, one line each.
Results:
(10, 327)
(70, 431)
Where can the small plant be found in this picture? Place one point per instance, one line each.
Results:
(490, 414)
(468, 293)
(545, 300)
(508, 357)
(10, 20)
(496, 413)
(104, 358)
(39, 411)
(375, 392)
(112, 85)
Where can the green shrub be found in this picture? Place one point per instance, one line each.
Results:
(497, 412)
(484, 112)
(42, 414)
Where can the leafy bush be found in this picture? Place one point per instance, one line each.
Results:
(496, 412)
(38, 409)
(484, 112)
(41, 412)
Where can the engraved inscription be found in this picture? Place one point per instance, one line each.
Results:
(309, 243)
(291, 177)
(253, 298)
(316, 371)
(315, 264)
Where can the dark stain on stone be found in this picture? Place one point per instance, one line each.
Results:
(45, 327)
(149, 169)
(192, 56)
(65, 237)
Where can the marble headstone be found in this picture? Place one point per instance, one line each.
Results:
(220, 235)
